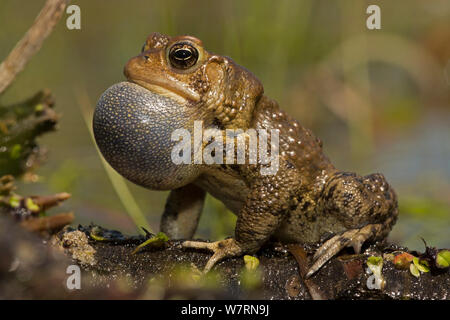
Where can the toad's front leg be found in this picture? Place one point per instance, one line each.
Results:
(266, 205)
(222, 249)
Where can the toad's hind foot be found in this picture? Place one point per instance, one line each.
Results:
(222, 249)
(354, 238)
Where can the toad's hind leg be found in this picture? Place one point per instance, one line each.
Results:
(354, 238)
(367, 206)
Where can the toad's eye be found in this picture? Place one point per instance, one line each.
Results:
(183, 56)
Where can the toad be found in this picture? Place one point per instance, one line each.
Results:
(174, 82)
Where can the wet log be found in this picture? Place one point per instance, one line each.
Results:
(108, 268)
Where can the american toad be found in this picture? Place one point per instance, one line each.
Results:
(174, 82)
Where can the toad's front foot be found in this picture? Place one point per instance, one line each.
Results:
(222, 249)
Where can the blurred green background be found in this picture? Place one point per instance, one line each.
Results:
(379, 99)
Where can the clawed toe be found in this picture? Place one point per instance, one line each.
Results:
(222, 249)
(354, 238)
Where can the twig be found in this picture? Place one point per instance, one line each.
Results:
(31, 41)
(46, 202)
(56, 222)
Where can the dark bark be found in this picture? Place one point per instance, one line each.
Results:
(109, 269)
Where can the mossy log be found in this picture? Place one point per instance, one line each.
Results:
(20, 125)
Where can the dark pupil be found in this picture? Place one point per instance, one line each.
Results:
(182, 54)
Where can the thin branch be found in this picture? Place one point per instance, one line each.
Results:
(31, 41)
(55, 222)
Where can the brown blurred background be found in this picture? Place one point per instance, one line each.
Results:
(379, 99)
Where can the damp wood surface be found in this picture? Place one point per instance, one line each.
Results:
(111, 270)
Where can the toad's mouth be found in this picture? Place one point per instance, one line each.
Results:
(172, 90)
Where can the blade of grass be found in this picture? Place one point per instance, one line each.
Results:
(117, 181)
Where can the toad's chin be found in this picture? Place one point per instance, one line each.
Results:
(173, 91)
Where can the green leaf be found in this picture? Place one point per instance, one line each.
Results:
(414, 271)
(375, 265)
(251, 263)
(443, 259)
(421, 265)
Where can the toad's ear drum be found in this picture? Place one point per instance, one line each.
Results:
(133, 128)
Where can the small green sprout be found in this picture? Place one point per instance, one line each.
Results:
(251, 263)
(374, 262)
(251, 274)
(376, 280)
(30, 205)
(154, 242)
